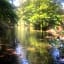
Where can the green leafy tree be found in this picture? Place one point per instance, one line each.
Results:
(42, 13)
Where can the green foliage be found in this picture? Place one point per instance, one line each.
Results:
(44, 12)
(8, 19)
(7, 14)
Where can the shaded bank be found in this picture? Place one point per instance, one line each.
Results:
(9, 55)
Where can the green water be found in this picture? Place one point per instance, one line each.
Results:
(36, 49)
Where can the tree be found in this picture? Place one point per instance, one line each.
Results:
(8, 19)
(7, 13)
(43, 13)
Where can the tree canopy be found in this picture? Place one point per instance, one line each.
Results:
(42, 13)
(7, 14)
(8, 19)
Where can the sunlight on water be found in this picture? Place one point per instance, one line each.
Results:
(24, 61)
(20, 31)
(18, 49)
(22, 54)
(55, 55)
(55, 52)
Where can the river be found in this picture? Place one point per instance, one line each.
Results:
(34, 49)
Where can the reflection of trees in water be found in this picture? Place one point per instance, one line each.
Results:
(40, 35)
(26, 34)
(34, 57)
(39, 58)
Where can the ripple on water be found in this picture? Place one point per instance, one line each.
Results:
(20, 51)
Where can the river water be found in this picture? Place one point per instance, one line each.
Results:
(32, 48)
(22, 54)
(13, 56)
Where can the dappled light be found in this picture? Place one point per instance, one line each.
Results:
(31, 32)
(40, 28)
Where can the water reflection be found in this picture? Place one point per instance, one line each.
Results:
(7, 55)
(12, 56)
(21, 54)
(55, 52)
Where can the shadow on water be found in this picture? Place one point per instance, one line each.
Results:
(7, 55)
(12, 56)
